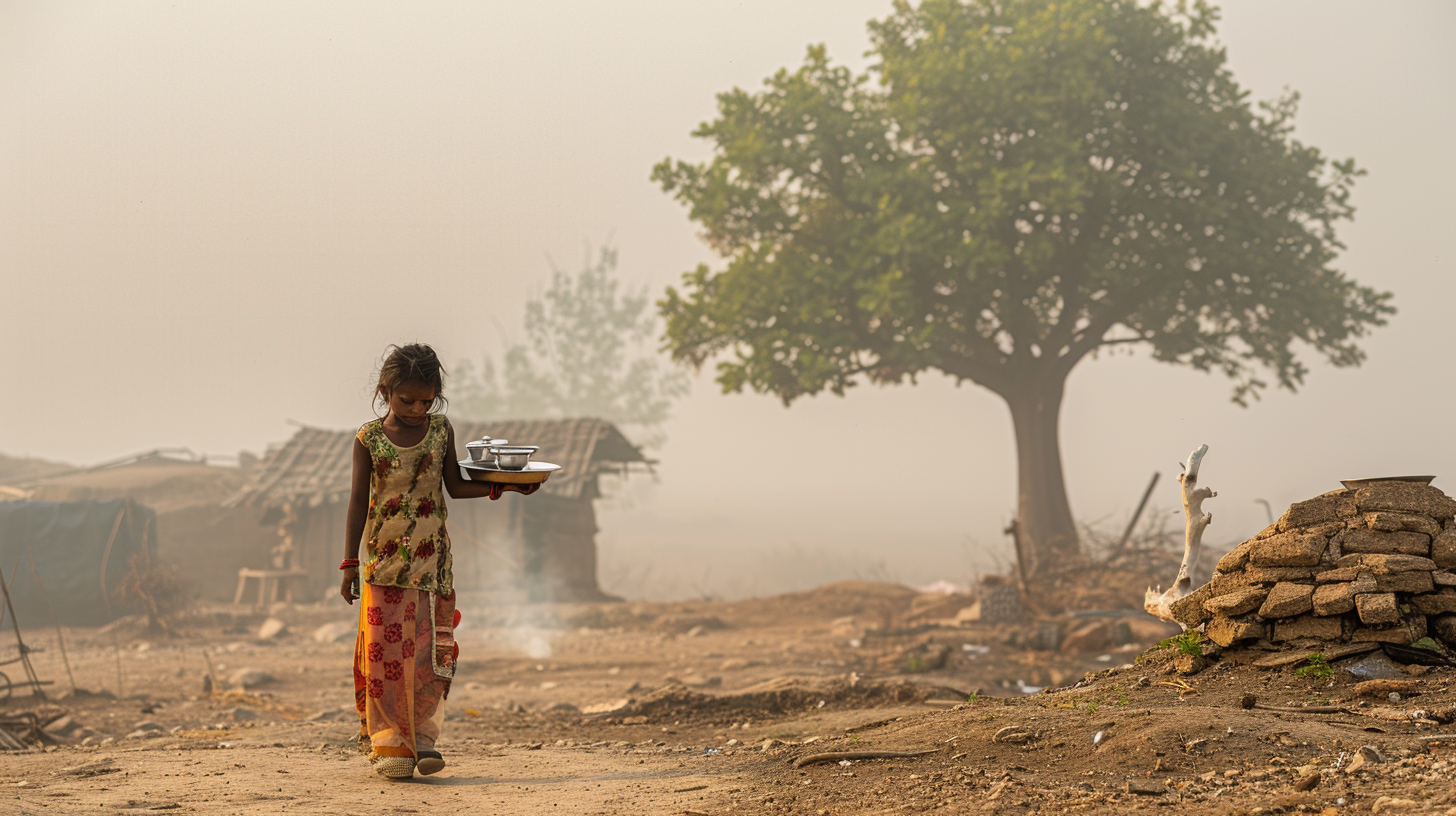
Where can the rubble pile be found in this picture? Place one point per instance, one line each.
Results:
(1372, 564)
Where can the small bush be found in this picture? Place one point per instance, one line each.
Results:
(1318, 668)
(156, 588)
(1189, 643)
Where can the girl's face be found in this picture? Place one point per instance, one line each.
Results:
(410, 403)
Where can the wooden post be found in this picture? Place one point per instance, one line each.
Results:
(1138, 513)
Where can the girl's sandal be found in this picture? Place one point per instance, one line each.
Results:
(429, 762)
(392, 767)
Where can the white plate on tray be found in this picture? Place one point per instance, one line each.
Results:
(533, 472)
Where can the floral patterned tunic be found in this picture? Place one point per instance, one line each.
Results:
(405, 543)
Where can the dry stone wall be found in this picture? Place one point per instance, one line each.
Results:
(1377, 563)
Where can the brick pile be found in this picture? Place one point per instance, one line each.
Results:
(1373, 564)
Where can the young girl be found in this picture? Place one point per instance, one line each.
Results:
(405, 653)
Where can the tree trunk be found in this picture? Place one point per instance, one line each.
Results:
(1044, 518)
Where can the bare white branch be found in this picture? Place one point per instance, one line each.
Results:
(1159, 604)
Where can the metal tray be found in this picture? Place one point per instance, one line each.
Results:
(1351, 484)
(533, 472)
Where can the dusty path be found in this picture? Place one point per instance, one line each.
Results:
(703, 708)
(249, 779)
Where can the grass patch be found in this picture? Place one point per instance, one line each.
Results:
(1189, 643)
(1317, 668)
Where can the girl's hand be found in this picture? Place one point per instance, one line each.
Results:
(347, 587)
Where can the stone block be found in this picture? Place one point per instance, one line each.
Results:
(1412, 629)
(1287, 600)
(1225, 582)
(1435, 603)
(1296, 548)
(1237, 602)
(1444, 578)
(1234, 559)
(1371, 541)
(1443, 549)
(1406, 497)
(1407, 582)
(1308, 627)
(1332, 506)
(1395, 522)
(1273, 575)
(1228, 631)
(1089, 638)
(1366, 582)
(1334, 599)
(1384, 564)
(1443, 627)
(1377, 608)
(1188, 610)
(1337, 575)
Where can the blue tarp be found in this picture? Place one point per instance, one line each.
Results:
(70, 557)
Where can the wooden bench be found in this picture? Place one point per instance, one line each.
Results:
(271, 584)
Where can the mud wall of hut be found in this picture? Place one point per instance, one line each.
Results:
(560, 556)
(209, 544)
(518, 549)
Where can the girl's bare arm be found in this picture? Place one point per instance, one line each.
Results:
(461, 488)
(358, 513)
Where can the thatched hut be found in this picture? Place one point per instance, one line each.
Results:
(67, 562)
(206, 542)
(540, 547)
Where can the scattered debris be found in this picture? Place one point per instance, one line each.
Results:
(250, 678)
(837, 756)
(1249, 701)
(1367, 755)
(1385, 687)
(1141, 787)
(22, 730)
(272, 628)
(1014, 735)
(336, 632)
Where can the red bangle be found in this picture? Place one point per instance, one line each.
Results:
(348, 562)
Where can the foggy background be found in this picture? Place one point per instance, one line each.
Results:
(215, 217)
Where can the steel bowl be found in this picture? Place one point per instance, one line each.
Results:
(479, 451)
(515, 457)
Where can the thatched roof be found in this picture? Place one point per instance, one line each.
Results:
(164, 480)
(315, 465)
(17, 470)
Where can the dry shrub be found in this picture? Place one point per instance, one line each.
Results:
(155, 588)
(1113, 574)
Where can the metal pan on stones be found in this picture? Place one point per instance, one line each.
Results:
(1351, 484)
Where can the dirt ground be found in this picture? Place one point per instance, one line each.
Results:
(710, 708)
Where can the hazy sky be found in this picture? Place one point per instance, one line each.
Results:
(215, 216)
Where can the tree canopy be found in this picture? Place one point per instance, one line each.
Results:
(1011, 186)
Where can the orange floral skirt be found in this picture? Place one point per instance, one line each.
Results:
(404, 659)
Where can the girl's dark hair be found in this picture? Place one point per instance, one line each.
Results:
(411, 363)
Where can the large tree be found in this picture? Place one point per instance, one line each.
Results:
(1013, 185)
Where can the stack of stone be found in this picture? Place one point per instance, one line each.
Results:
(1377, 563)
